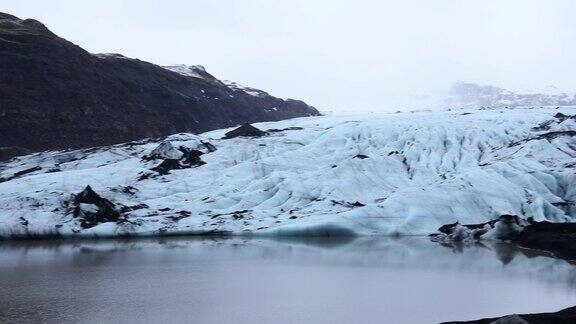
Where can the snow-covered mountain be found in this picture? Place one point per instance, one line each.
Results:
(199, 72)
(405, 173)
(471, 95)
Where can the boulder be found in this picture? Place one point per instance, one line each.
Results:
(191, 157)
(167, 165)
(92, 209)
(245, 130)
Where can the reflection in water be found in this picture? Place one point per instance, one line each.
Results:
(505, 252)
(367, 280)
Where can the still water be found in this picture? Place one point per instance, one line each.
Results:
(408, 280)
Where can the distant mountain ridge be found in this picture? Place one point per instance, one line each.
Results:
(198, 71)
(55, 95)
(194, 71)
(470, 95)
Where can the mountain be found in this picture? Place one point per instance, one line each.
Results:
(471, 95)
(403, 173)
(55, 95)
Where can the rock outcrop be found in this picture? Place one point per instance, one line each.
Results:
(245, 130)
(174, 159)
(91, 209)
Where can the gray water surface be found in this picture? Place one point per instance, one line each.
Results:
(364, 280)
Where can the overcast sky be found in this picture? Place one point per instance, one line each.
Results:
(336, 55)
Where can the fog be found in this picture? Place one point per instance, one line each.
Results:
(359, 55)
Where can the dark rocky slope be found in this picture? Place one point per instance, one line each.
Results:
(565, 316)
(55, 95)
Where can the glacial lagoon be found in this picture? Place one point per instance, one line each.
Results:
(237, 280)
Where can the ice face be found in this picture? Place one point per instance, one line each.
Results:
(417, 171)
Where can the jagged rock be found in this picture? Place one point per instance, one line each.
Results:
(164, 151)
(356, 204)
(562, 117)
(175, 159)
(92, 209)
(245, 130)
(24, 221)
(191, 157)
(167, 165)
(188, 158)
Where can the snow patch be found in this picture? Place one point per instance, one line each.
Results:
(195, 71)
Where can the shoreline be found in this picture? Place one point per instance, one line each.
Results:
(566, 315)
(557, 240)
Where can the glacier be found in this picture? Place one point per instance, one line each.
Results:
(352, 175)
